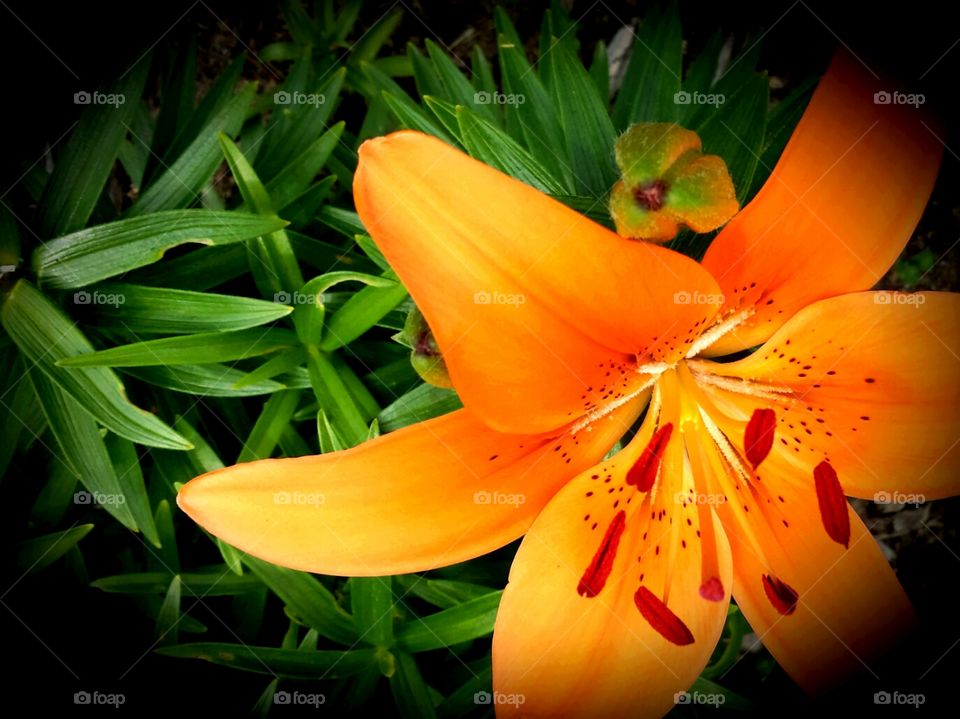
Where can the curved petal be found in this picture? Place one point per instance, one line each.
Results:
(872, 385)
(825, 612)
(539, 312)
(606, 613)
(428, 495)
(837, 210)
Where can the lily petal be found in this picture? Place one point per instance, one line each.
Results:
(606, 612)
(541, 314)
(825, 612)
(837, 210)
(428, 495)
(872, 385)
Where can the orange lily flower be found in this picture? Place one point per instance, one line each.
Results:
(558, 334)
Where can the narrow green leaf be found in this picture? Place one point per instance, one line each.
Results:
(409, 689)
(94, 254)
(371, 602)
(168, 617)
(219, 583)
(188, 349)
(443, 593)
(206, 380)
(126, 465)
(276, 415)
(360, 313)
(289, 663)
(461, 623)
(40, 552)
(418, 405)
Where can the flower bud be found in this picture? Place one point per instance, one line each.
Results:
(425, 355)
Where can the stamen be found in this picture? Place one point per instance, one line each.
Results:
(737, 385)
(659, 616)
(782, 596)
(719, 330)
(758, 437)
(833, 504)
(606, 409)
(596, 575)
(644, 472)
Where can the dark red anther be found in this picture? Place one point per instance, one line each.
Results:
(712, 589)
(758, 437)
(659, 616)
(644, 473)
(782, 596)
(833, 504)
(593, 580)
(651, 195)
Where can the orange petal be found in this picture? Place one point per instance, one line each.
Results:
(872, 384)
(538, 310)
(825, 612)
(606, 613)
(837, 210)
(432, 494)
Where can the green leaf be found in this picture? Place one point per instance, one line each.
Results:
(371, 602)
(206, 380)
(276, 415)
(288, 663)
(409, 689)
(418, 405)
(368, 46)
(198, 270)
(463, 700)
(458, 89)
(215, 583)
(126, 464)
(160, 310)
(35, 554)
(653, 74)
(310, 309)
(600, 71)
(443, 593)
(296, 177)
(188, 349)
(461, 623)
(585, 121)
(180, 183)
(82, 448)
(490, 145)
(167, 556)
(311, 602)
(361, 312)
(84, 165)
(168, 617)
(97, 253)
(45, 335)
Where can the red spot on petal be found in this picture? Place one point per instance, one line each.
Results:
(712, 589)
(782, 596)
(833, 505)
(758, 437)
(659, 616)
(593, 580)
(644, 473)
